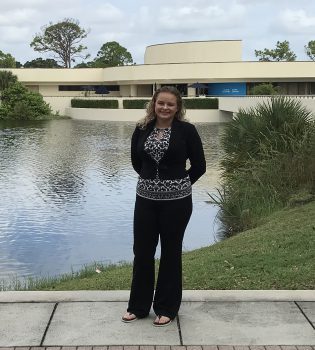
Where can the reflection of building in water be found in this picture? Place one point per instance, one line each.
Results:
(216, 64)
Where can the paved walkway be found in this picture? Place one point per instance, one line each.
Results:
(208, 320)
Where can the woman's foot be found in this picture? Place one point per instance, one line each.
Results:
(162, 321)
(129, 317)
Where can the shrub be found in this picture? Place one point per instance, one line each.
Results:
(268, 157)
(135, 104)
(201, 103)
(269, 127)
(80, 103)
(20, 103)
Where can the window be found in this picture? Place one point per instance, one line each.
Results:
(88, 87)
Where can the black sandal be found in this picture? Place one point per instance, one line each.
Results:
(163, 324)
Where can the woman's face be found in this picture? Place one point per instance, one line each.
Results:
(165, 106)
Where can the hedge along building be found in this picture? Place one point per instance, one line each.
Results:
(216, 64)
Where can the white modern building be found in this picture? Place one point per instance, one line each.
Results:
(216, 66)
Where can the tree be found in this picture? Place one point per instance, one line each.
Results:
(6, 79)
(63, 40)
(310, 49)
(84, 65)
(112, 54)
(6, 60)
(42, 63)
(20, 103)
(264, 89)
(282, 52)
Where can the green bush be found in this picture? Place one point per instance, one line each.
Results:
(201, 103)
(274, 126)
(268, 158)
(21, 104)
(135, 104)
(79, 103)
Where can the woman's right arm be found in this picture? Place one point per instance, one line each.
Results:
(135, 160)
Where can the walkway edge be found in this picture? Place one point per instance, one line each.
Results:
(188, 295)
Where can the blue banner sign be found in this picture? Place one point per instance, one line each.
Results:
(224, 89)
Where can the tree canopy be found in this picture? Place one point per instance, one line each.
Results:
(310, 49)
(282, 52)
(63, 40)
(6, 79)
(42, 63)
(6, 60)
(112, 54)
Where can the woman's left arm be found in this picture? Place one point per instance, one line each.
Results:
(196, 155)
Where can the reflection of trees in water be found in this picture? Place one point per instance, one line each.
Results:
(113, 156)
(210, 136)
(61, 171)
(62, 155)
(79, 150)
(18, 141)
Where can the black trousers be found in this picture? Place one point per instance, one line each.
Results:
(168, 220)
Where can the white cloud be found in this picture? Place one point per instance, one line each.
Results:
(200, 19)
(20, 4)
(104, 14)
(139, 23)
(297, 21)
(17, 17)
(14, 35)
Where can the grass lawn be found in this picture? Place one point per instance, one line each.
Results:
(279, 254)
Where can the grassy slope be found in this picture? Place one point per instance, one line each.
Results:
(279, 254)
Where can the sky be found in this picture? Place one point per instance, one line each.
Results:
(136, 24)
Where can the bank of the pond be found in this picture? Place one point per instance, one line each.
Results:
(279, 254)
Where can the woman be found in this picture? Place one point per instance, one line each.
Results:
(160, 146)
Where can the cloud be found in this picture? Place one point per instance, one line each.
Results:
(7, 6)
(139, 23)
(14, 35)
(198, 19)
(296, 22)
(17, 17)
(104, 14)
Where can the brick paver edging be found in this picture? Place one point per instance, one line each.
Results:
(166, 347)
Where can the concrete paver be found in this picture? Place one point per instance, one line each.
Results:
(208, 320)
(98, 323)
(244, 323)
(23, 324)
(308, 308)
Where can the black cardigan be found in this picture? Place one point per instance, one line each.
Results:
(184, 144)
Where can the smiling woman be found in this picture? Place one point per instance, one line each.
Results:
(165, 109)
(160, 147)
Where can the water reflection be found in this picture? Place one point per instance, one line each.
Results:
(67, 192)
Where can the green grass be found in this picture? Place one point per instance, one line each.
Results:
(279, 254)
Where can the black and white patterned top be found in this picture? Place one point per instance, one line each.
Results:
(157, 189)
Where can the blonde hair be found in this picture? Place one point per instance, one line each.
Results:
(150, 113)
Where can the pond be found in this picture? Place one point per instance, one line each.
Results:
(67, 192)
